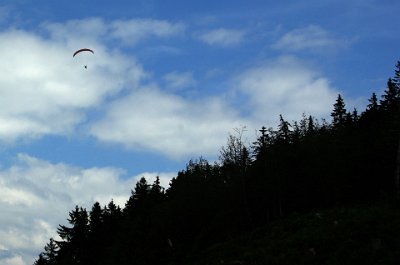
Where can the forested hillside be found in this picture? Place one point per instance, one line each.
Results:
(298, 169)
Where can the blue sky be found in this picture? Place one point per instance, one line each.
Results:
(168, 81)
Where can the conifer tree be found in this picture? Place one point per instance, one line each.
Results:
(49, 256)
(339, 112)
(311, 126)
(50, 252)
(284, 132)
(75, 238)
(41, 260)
(137, 198)
(96, 218)
(373, 103)
(396, 78)
(391, 97)
(261, 144)
(372, 114)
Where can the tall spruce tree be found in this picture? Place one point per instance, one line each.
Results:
(339, 112)
(49, 256)
(373, 103)
(75, 238)
(284, 132)
(391, 98)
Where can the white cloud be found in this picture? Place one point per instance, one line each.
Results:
(36, 196)
(223, 37)
(78, 31)
(176, 81)
(135, 30)
(308, 38)
(154, 120)
(288, 87)
(46, 91)
(93, 30)
(17, 260)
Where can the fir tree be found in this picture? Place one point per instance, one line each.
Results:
(75, 238)
(391, 98)
(49, 256)
(373, 103)
(284, 132)
(339, 112)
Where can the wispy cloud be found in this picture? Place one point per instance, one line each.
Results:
(130, 31)
(309, 38)
(135, 30)
(223, 37)
(77, 31)
(177, 81)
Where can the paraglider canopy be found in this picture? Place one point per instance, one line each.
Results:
(82, 50)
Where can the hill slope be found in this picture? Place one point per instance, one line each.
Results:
(358, 235)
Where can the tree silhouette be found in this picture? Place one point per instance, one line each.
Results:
(339, 112)
(74, 245)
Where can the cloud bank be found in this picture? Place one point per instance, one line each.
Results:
(151, 119)
(45, 91)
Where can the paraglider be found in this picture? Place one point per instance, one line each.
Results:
(83, 50)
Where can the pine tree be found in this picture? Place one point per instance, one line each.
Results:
(339, 112)
(156, 192)
(396, 78)
(75, 238)
(137, 198)
(311, 126)
(156, 187)
(41, 260)
(96, 237)
(141, 188)
(372, 114)
(49, 256)
(96, 219)
(112, 210)
(284, 132)
(79, 220)
(373, 103)
(50, 252)
(391, 98)
(391, 103)
(260, 146)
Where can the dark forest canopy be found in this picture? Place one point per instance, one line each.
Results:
(300, 167)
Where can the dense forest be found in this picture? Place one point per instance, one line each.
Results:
(299, 168)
